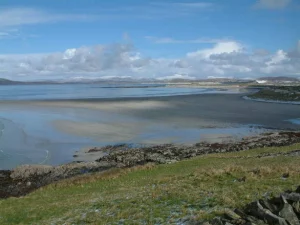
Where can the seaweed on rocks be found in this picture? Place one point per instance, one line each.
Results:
(27, 178)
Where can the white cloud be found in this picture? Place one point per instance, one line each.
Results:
(11, 17)
(276, 61)
(224, 59)
(219, 48)
(279, 57)
(272, 4)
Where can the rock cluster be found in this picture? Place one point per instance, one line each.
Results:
(169, 153)
(27, 178)
(283, 210)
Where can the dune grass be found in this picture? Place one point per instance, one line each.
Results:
(158, 194)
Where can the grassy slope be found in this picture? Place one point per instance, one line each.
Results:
(157, 194)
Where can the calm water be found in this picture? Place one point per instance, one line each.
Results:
(27, 134)
(87, 91)
(295, 121)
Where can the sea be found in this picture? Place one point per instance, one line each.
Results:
(94, 91)
(27, 134)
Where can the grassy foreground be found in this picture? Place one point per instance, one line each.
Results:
(200, 188)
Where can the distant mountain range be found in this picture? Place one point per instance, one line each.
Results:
(121, 81)
(6, 81)
(83, 81)
(128, 80)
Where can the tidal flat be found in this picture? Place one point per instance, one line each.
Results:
(54, 130)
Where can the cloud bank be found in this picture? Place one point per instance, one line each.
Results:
(222, 59)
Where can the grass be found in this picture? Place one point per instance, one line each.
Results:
(278, 93)
(158, 194)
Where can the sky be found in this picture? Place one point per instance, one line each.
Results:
(152, 39)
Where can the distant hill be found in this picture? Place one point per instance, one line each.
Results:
(280, 79)
(128, 80)
(6, 81)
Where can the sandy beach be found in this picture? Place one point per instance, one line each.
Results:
(198, 111)
(63, 128)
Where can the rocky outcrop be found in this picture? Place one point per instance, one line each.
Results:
(282, 210)
(169, 153)
(27, 178)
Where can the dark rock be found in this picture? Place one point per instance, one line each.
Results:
(272, 207)
(288, 213)
(295, 197)
(217, 221)
(276, 204)
(254, 221)
(164, 153)
(270, 217)
(242, 179)
(13, 183)
(256, 210)
(252, 210)
(296, 206)
(27, 178)
(276, 210)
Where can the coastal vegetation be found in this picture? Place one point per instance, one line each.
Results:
(198, 188)
(278, 93)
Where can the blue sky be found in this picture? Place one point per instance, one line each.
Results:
(35, 36)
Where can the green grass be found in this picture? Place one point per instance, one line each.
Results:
(291, 94)
(200, 187)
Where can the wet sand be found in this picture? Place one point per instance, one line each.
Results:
(158, 120)
(201, 117)
(196, 111)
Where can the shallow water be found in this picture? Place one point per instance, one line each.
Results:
(29, 133)
(295, 121)
(29, 137)
(89, 91)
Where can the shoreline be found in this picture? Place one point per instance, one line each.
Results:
(247, 98)
(277, 94)
(75, 124)
(27, 178)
